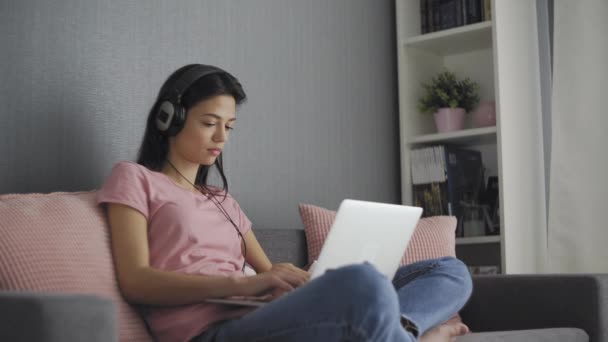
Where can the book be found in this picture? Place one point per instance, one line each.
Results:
(423, 17)
(472, 11)
(487, 10)
(429, 185)
(450, 13)
(489, 201)
(436, 15)
(465, 174)
(432, 197)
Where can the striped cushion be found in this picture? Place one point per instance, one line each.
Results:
(434, 236)
(59, 242)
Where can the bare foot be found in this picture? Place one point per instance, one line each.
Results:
(444, 332)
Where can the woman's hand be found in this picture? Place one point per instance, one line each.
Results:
(281, 278)
(296, 276)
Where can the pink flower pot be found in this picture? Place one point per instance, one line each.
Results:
(449, 119)
(485, 115)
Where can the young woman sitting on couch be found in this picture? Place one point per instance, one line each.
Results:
(178, 241)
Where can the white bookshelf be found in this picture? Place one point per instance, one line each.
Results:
(477, 240)
(472, 37)
(499, 56)
(471, 136)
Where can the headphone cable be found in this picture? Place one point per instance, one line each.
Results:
(221, 209)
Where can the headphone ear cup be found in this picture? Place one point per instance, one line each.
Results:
(179, 119)
(164, 116)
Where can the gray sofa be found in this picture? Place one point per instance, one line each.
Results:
(502, 308)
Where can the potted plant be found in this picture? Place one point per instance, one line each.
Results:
(449, 100)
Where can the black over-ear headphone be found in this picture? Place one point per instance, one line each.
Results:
(171, 114)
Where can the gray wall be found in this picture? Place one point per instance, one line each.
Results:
(78, 78)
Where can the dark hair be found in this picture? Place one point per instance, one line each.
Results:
(155, 145)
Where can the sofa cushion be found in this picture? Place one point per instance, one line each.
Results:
(536, 335)
(283, 245)
(59, 242)
(434, 237)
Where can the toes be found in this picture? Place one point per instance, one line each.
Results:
(463, 329)
(457, 329)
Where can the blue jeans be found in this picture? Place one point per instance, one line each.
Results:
(356, 303)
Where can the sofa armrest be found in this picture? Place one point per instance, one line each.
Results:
(515, 302)
(47, 317)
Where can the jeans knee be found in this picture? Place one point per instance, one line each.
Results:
(366, 287)
(364, 299)
(459, 273)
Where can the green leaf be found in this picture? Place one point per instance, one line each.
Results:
(445, 90)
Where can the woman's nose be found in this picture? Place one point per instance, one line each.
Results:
(221, 134)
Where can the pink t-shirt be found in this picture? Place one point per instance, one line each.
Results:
(187, 233)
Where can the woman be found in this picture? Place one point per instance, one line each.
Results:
(177, 241)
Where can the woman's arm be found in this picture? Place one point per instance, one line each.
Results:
(255, 254)
(260, 262)
(143, 284)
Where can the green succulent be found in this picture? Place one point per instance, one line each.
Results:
(445, 90)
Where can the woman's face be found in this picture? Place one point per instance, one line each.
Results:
(206, 130)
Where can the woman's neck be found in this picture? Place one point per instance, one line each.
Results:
(184, 174)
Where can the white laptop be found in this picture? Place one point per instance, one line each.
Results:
(362, 231)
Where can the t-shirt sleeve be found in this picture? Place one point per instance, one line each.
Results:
(243, 221)
(126, 185)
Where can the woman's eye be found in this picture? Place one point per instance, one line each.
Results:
(211, 124)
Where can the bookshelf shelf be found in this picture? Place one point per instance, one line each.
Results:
(476, 240)
(466, 136)
(456, 40)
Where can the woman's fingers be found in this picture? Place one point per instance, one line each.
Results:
(280, 279)
(300, 271)
(291, 277)
(296, 275)
(278, 282)
(266, 283)
(294, 269)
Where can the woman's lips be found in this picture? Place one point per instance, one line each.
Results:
(216, 152)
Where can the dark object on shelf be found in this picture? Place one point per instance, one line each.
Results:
(472, 12)
(445, 180)
(437, 15)
(424, 26)
(484, 270)
(450, 14)
(432, 197)
(465, 181)
(490, 201)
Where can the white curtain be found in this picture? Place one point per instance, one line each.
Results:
(578, 181)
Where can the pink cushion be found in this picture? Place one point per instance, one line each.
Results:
(59, 242)
(434, 237)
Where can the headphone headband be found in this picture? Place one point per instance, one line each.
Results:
(190, 76)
